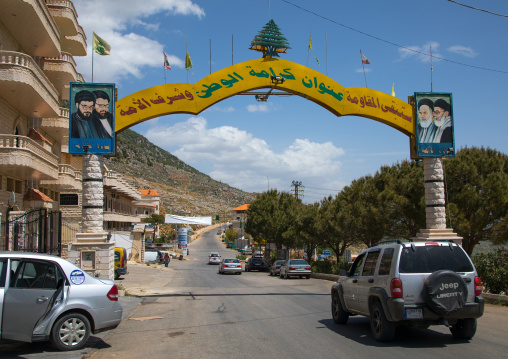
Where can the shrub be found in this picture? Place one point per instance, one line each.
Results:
(492, 268)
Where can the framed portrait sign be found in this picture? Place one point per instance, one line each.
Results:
(92, 118)
(434, 125)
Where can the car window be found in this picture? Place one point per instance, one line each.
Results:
(370, 263)
(357, 265)
(37, 275)
(298, 262)
(117, 256)
(386, 262)
(428, 259)
(3, 272)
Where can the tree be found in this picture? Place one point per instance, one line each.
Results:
(404, 196)
(155, 220)
(477, 190)
(270, 217)
(303, 230)
(270, 41)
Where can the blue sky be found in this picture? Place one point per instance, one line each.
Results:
(255, 145)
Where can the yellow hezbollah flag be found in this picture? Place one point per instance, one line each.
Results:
(100, 46)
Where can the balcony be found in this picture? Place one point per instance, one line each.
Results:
(61, 70)
(24, 158)
(57, 127)
(26, 87)
(68, 179)
(32, 25)
(75, 44)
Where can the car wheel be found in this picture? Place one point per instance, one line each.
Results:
(286, 275)
(464, 328)
(117, 275)
(70, 332)
(340, 316)
(280, 275)
(382, 329)
(271, 273)
(308, 276)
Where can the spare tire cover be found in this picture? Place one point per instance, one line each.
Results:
(445, 291)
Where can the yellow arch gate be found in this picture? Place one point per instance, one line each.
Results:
(264, 73)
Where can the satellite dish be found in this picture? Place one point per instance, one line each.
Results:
(12, 199)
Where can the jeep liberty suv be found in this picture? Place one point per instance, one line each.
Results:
(413, 283)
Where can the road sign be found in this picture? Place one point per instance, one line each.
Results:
(327, 253)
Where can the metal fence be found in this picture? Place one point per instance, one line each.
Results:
(38, 230)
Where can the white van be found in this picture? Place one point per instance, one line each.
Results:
(151, 257)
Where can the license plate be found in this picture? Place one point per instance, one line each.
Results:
(413, 314)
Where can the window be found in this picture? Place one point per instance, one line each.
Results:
(370, 264)
(37, 275)
(69, 199)
(3, 271)
(14, 185)
(386, 262)
(357, 266)
(429, 259)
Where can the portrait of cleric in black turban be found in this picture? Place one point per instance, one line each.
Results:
(92, 118)
(434, 120)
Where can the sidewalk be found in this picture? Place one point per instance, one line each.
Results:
(143, 279)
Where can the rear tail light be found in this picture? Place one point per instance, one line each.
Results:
(478, 289)
(307, 268)
(123, 261)
(431, 244)
(291, 268)
(113, 294)
(396, 288)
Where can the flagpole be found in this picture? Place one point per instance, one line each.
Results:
(232, 61)
(186, 52)
(164, 74)
(210, 56)
(92, 63)
(431, 69)
(308, 48)
(363, 65)
(326, 47)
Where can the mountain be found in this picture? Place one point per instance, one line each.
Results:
(183, 189)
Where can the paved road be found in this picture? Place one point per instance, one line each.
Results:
(190, 311)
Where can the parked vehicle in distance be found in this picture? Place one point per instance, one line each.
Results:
(257, 254)
(120, 256)
(275, 268)
(214, 258)
(158, 257)
(219, 232)
(230, 265)
(417, 283)
(229, 245)
(295, 268)
(48, 298)
(247, 251)
(255, 263)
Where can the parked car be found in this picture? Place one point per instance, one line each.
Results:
(229, 245)
(255, 263)
(230, 265)
(120, 262)
(295, 268)
(247, 251)
(417, 283)
(214, 258)
(158, 257)
(275, 268)
(48, 298)
(257, 254)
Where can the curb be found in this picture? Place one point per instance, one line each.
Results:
(496, 297)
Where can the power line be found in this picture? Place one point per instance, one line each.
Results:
(475, 8)
(392, 43)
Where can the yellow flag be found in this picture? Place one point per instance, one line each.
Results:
(310, 43)
(393, 89)
(100, 46)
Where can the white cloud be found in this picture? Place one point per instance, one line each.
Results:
(421, 53)
(257, 108)
(130, 52)
(245, 162)
(462, 50)
(367, 69)
(221, 109)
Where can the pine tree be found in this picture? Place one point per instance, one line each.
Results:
(270, 41)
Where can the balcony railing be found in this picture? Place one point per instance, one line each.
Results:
(63, 3)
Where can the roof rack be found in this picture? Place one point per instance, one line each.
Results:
(398, 241)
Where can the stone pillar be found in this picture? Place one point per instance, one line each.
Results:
(92, 249)
(435, 211)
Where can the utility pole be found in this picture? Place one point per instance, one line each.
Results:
(298, 189)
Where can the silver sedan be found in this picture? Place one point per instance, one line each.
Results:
(275, 268)
(296, 268)
(230, 265)
(44, 297)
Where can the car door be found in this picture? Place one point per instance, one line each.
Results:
(3, 275)
(349, 285)
(366, 281)
(28, 297)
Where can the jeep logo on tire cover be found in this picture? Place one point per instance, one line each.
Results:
(445, 292)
